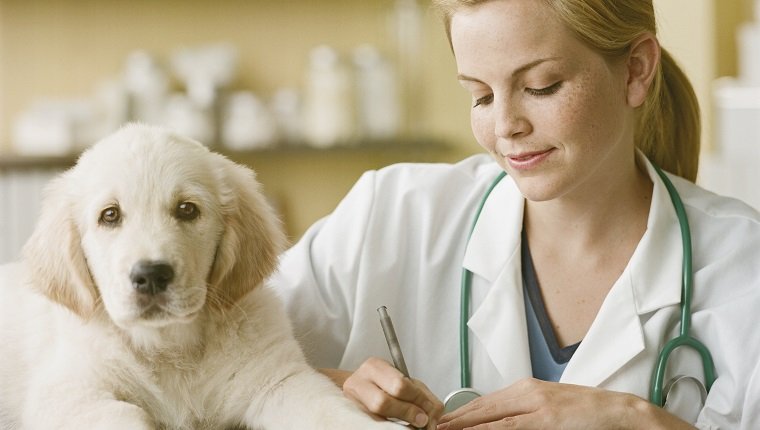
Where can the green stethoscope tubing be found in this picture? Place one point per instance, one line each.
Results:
(464, 302)
(687, 288)
(683, 339)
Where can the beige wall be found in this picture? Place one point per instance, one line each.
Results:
(729, 14)
(62, 48)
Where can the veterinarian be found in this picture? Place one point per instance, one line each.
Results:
(554, 292)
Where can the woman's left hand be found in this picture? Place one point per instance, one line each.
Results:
(535, 404)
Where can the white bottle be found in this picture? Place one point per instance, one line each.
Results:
(377, 98)
(147, 84)
(328, 102)
(286, 108)
(247, 123)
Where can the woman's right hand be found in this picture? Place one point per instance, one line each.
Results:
(384, 391)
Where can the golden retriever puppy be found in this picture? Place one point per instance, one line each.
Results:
(139, 305)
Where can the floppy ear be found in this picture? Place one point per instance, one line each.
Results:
(252, 239)
(54, 253)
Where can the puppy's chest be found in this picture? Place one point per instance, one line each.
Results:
(184, 395)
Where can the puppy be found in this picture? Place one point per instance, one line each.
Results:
(138, 303)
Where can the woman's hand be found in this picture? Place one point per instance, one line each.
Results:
(385, 392)
(535, 404)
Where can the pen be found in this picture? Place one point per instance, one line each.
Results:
(390, 337)
(393, 345)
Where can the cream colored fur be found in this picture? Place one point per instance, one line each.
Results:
(80, 350)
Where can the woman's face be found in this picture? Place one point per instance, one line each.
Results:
(550, 110)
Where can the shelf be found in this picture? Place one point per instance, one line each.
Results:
(412, 145)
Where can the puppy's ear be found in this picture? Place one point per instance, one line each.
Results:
(252, 239)
(54, 253)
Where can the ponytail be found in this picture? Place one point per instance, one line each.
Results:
(668, 125)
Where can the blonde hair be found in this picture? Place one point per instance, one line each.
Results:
(668, 123)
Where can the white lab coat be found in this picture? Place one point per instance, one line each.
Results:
(399, 239)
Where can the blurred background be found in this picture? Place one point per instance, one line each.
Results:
(308, 93)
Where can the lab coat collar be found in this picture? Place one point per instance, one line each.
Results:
(657, 263)
(496, 236)
(651, 280)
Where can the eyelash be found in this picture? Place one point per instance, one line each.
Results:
(539, 92)
(546, 91)
(483, 100)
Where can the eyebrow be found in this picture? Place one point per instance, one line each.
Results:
(520, 70)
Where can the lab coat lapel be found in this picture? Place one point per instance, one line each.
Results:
(493, 253)
(651, 280)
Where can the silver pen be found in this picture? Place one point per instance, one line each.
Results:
(393, 345)
(390, 337)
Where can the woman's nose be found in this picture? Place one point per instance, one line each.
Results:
(511, 121)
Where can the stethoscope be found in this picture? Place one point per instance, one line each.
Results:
(658, 389)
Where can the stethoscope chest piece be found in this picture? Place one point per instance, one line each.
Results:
(457, 399)
(685, 396)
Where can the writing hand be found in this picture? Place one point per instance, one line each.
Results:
(384, 391)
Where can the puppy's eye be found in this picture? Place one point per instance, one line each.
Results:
(187, 211)
(110, 216)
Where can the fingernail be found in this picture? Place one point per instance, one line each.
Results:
(420, 420)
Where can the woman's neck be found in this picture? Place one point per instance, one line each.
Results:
(615, 210)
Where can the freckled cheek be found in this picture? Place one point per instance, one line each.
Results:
(483, 130)
(579, 120)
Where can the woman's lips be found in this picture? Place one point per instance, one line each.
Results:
(528, 160)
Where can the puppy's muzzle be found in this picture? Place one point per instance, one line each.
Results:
(151, 277)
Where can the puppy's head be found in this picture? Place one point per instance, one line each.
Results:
(154, 228)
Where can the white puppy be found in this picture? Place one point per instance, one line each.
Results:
(138, 303)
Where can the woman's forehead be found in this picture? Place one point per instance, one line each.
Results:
(516, 32)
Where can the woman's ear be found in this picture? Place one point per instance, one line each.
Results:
(642, 66)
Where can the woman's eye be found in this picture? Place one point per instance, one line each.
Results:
(187, 211)
(483, 100)
(110, 216)
(551, 89)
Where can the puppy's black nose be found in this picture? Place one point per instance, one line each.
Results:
(151, 277)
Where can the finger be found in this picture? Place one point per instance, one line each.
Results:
(376, 384)
(505, 423)
(503, 396)
(488, 409)
(382, 403)
(487, 414)
(480, 414)
(432, 406)
(413, 391)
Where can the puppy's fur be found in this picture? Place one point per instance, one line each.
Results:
(82, 347)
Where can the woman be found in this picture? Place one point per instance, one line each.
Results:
(576, 256)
